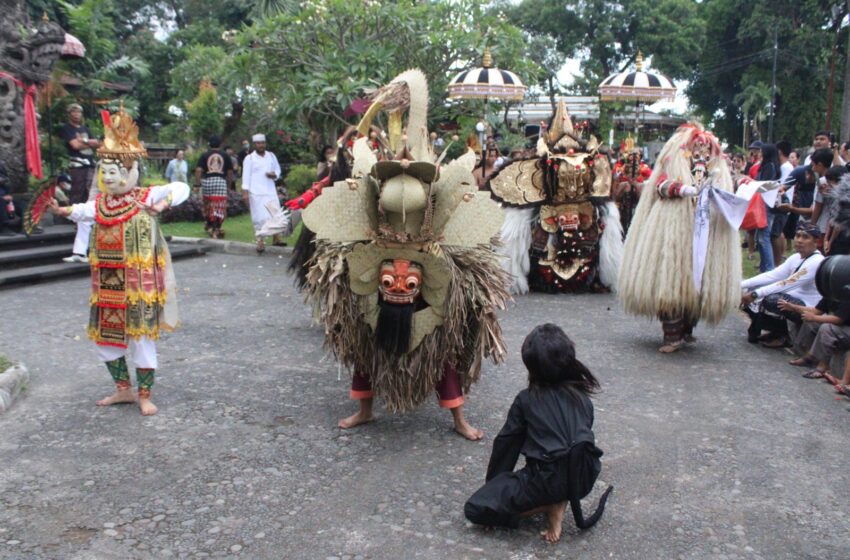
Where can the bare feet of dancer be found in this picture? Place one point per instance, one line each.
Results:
(121, 396)
(462, 426)
(555, 516)
(147, 407)
(671, 347)
(362, 416)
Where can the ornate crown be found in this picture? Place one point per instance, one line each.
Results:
(121, 139)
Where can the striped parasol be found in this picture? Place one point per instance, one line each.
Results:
(487, 82)
(637, 86)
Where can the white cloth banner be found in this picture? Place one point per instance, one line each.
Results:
(732, 207)
(769, 191)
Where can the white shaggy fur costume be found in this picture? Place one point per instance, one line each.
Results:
(657, 278)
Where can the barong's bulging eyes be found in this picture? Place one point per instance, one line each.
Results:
(401, 281)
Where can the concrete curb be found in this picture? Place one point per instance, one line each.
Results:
(231, 247)
(12, 382)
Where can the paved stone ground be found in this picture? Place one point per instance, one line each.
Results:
(720, 451)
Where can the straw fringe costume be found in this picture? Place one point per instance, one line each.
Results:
(657, 278)
(562, 232)
(404, 277)
(133, 287)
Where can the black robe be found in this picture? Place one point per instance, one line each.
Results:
(553, 429)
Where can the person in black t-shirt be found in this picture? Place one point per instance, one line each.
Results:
(81, 144)
(825, 332)
(213, 174)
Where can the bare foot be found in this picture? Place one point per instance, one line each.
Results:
(147, 407)
(671, 347)
(463, 428)
(120, 397)
(555, 516)
(360, 417)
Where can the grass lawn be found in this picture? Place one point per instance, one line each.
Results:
(4, 363)
(751, 267)
(238, 228)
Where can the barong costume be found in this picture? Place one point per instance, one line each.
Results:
(658, 274)
(562, 232)
(133, 287)
(404, 277)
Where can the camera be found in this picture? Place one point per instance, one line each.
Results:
(833, 278)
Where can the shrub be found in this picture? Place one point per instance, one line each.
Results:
(299, 179)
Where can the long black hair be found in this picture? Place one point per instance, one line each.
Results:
(550, 357)
(770, 166)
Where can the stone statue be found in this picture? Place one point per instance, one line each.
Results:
(27, 54)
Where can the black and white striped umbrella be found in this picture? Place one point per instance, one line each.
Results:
(487, 82)
(637, 86)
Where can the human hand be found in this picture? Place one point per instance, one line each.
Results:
(784, 207)
(153, 209)
(747, 299)
(54, 208)
(245, 196)
(7, 197)
(271, 174)
(786, 305)
(809, 317)
(689, 191)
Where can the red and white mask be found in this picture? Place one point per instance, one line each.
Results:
(401, 281)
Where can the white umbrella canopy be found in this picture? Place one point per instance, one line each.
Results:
(637, 86)
(487, 82)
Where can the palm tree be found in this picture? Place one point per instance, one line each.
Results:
(755, 100)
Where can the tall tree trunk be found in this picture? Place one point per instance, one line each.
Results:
(845, 102)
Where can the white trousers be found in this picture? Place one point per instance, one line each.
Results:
(81, 240)
(141, 352)
(259, 213)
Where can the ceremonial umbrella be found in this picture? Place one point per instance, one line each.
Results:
(487, 82)
(638, 86)
(73, 47)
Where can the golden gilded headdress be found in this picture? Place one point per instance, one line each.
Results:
(121, 138)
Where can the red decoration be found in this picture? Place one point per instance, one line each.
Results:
(33, 146)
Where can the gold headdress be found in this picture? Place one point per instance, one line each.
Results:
(121, 138)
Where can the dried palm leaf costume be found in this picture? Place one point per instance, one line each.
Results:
(404, 276)
(562, 232)
(657, 277)
(133, 287)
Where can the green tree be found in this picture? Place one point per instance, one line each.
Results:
(606, 36)
(203, 114)
(309, 60)
(740, 54)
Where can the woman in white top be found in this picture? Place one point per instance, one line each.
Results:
(793, 280)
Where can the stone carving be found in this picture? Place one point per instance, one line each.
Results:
(28, 53)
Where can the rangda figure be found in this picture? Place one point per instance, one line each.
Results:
(562, 232)
(133, 287)
(658, 274)
(404, 276)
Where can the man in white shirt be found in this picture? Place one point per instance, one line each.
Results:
(259, 172)
(793, 280)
